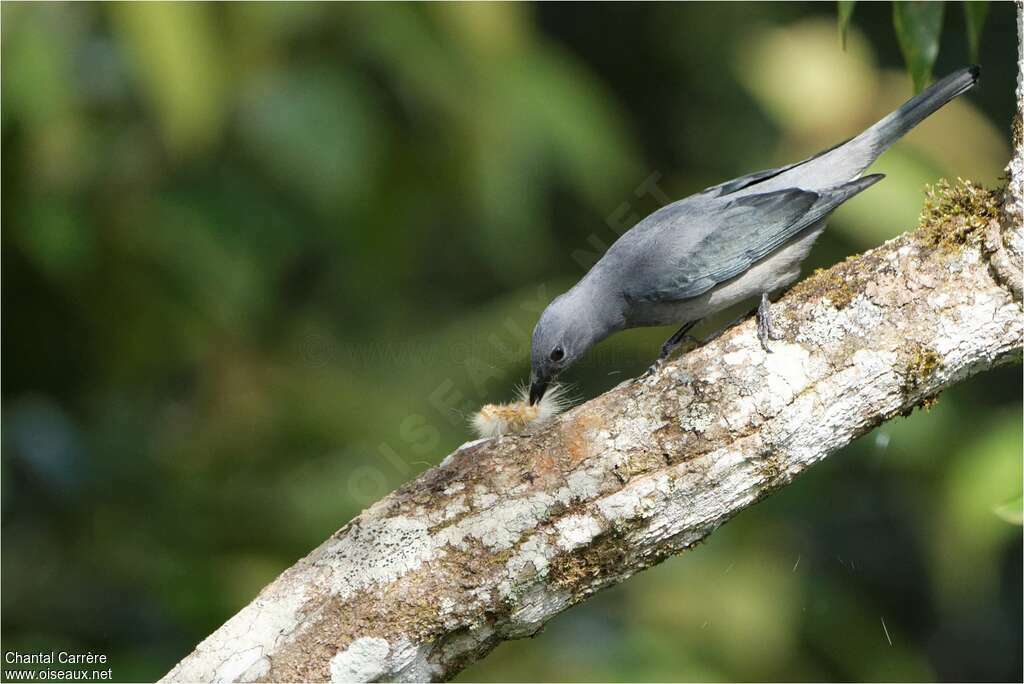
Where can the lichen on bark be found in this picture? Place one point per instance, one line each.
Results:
(507, 532)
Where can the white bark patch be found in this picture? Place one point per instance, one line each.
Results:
(531, 561)
(484, 499)
(583, 484)
(369, 659)
(861, 317)
(238, 663)
(500, 526)
(785, 370)
(819, 326)
(455, 508)
(363, 661)
(576, 530)
(736, 358)
(536, 606)
(256, 671)
(241, 643)
(634, 500)
(743, 414)
(409, 663)
(376, 552)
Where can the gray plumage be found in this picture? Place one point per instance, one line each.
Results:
(733, 241)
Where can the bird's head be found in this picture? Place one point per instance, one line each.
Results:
(562, 335)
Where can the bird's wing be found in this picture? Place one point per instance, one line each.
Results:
(685, 253)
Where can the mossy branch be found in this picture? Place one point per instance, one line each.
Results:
(507, 532)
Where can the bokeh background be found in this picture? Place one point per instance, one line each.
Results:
(260, 261)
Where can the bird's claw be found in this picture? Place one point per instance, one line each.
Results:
(766, 328)
(653, 369)
(666, 352)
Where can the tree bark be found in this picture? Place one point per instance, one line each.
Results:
(508, 532)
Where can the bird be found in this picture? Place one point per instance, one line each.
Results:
(731, 242)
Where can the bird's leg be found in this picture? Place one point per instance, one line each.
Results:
(670, 345)
(766, 329)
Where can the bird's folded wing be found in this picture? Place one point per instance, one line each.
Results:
(700, 246)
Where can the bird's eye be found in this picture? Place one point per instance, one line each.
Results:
(557, 353)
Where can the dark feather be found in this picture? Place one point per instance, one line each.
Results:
(692, 249)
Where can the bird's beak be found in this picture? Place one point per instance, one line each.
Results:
(537, 388)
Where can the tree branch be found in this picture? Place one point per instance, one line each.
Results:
(507, 532)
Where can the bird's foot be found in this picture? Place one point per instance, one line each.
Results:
(678, 337)
(666, 351)
(766, 328)
(658, 363)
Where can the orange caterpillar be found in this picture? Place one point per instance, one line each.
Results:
(494, 420)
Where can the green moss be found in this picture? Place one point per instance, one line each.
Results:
(770, 469)
(955, 215)
(577, 571)
(829, 284)
(584, 571)
(921, 364)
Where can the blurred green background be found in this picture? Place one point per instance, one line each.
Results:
(260, 261)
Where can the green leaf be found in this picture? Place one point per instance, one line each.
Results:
(845, 14)
(1012, 511)
(975, 12)
(918, 27)
(180, 63)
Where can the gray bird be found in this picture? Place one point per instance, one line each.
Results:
(728, 243)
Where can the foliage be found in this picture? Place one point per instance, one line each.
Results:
(975, 11)
(918, 26)
(845, 14)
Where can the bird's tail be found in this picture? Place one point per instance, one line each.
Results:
(879, 137)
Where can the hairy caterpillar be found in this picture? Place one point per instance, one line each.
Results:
(494, 420)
